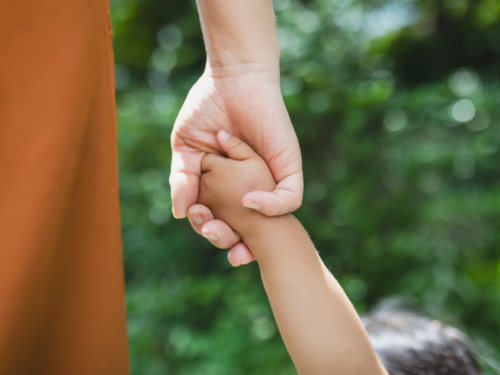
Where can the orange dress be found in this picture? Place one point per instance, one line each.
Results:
(62, 305)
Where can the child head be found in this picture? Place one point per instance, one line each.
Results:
(409, 344)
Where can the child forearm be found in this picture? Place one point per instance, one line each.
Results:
(319, 325)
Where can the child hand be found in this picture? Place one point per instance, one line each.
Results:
(226, 180)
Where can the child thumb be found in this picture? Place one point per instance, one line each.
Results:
(234, 147)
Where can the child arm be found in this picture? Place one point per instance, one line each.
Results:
(319, 325)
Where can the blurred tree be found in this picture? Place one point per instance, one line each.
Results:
(395, 105)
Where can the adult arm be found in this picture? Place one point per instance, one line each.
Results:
(240, 93)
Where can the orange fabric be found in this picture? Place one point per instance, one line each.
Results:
(61, 278)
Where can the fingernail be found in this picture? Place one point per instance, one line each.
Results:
(212, 237)
(252, 205)
(224, 135)
(173, 213)
(196, 217)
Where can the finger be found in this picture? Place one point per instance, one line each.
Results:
(234, 147)
(240, 254)
(220, 234)
(286, 197)
(209, 161)
(199, 215)
(184, 180)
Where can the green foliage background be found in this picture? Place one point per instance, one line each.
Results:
(396, 107)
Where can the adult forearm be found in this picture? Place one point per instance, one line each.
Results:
(319, 325)
(239, 35)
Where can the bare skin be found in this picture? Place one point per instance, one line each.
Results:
(239, 92)
(318, 323)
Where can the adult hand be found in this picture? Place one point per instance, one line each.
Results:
(249, 105)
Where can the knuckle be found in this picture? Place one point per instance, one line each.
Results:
(298, 203)
(171, 178)
(236, 144)
(295, 207)
(272, 211)
(222, 243)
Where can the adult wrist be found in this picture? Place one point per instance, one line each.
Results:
(240, 36)
(232, 62)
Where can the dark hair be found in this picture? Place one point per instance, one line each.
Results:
(409, 344)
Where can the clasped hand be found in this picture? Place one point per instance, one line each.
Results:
(250, 107)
